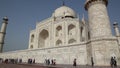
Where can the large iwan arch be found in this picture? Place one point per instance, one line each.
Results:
(43, 38)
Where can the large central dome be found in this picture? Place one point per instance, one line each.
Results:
(64, 11)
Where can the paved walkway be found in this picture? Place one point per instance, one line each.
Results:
(48, 66)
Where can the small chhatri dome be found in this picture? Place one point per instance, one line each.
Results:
(115, 23)
(64, 11)
(5, 18)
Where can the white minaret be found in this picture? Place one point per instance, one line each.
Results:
(3, 32)
(117, 33)
(116, 28)
(102, 44)
(98, 18)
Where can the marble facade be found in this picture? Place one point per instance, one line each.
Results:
(65, 37)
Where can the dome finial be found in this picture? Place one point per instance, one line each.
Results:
(63, 3)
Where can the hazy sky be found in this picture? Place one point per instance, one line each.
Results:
(23, 15)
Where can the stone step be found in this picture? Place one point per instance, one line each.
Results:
(3, 65)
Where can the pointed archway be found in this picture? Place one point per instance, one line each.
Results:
(43, 38)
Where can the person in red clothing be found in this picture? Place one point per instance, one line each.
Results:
(54, 62)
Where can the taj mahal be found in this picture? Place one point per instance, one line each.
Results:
(64, 37)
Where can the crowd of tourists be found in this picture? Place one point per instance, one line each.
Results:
(50, 62)
(13, 61)
(113, 61)
(31, 61)
(16, 61)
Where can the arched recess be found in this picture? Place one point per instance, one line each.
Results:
(71, 29)
(88, 35)
(59, 31)
(58, 42)
(43, 38)
(71, 41)
(81, 33)
(31, 47)
(32, 38)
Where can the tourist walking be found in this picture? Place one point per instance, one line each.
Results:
(74, 63)
(20, 60)
(33, 61)
(48, 62)
(112, 62)
(45, 61)
(115, 62)
(92, 62)
(54, 62)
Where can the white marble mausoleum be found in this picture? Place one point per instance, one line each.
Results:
(64, 37)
